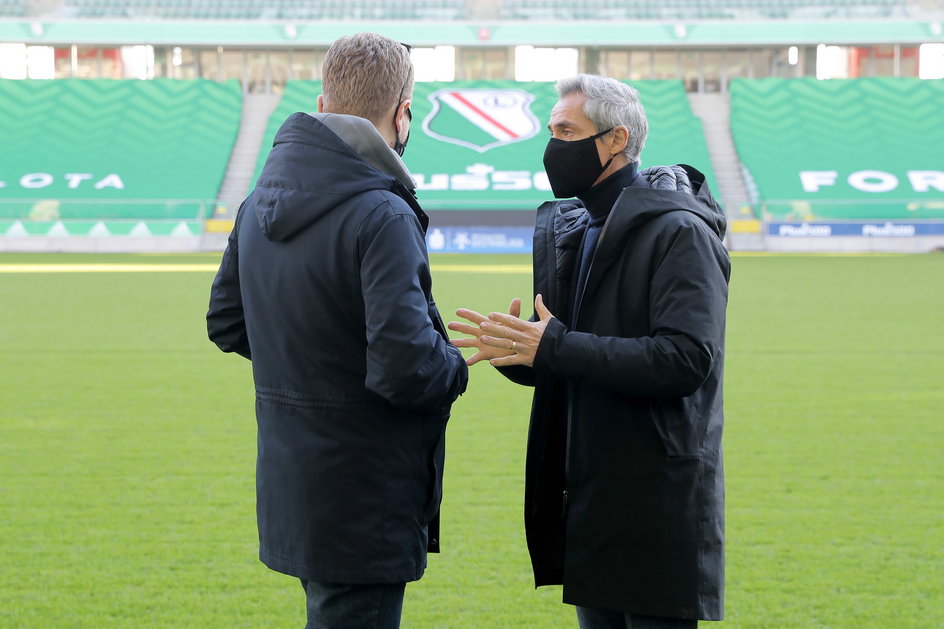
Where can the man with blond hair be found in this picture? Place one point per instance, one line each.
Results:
(325, 286)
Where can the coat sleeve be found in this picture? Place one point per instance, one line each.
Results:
(687, 302)
(519, 374)
(409, 362)
(226, 321)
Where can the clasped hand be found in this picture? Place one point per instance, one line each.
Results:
(502, 339)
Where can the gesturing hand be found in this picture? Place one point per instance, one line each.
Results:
(507, 339)
(516, 335)
(485, 352)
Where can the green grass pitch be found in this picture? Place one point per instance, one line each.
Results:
(127, 452)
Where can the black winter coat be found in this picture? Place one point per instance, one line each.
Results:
(325, 286)
(624, 498)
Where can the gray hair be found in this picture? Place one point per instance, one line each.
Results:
(610, 103)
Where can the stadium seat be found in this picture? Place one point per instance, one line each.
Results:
(868, 148)
(675, 133)
(115, 148)
(698, 9)
(508, 9)
(13, 8)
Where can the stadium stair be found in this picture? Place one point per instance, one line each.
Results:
(715, 113)
(242, 162)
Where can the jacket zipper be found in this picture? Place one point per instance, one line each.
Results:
(583, 291)
(565, 498)
(570, 415)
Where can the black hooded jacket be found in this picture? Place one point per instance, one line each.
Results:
(325, 286)
(624, 497)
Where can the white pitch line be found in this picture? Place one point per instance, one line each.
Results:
(482, 268)
(106, 268)
(210, 268)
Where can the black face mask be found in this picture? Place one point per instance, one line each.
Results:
(399, 147)
(573, 166)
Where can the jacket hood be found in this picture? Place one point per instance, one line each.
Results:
(660, 189)
(319, 161)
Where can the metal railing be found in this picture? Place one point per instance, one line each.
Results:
(850, 209)
(60, 208)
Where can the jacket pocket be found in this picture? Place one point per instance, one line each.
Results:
(676, 424)
(435, 465)
(436, 318)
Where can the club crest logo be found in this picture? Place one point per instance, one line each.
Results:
(481, 119)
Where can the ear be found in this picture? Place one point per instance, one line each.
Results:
(618, 139)
(401, 110)
(401, 118)
(320, 103)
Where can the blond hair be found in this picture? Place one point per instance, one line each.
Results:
(365, 75)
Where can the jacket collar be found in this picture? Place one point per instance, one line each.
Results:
(362, 136)
(600, 199)
(657, 191)
(311, 170)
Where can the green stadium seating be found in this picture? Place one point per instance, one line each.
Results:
(675, 133)
(277, 9)
(698, 9)
(456, 9)
(115, 148)
(841, 149)
(13, 8)
(675, 136)
(298, 96)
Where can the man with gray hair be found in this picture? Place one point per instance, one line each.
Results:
(325, 286)
(624, 493)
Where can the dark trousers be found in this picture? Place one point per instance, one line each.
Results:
(344, 606)
(590, 618)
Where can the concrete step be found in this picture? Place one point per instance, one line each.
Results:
(257, 108)
(715, 112)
